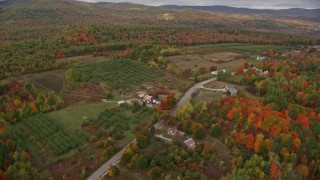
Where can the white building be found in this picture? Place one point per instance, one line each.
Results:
(232, 90)
(217, 72)
(120, 102)
(258, 57)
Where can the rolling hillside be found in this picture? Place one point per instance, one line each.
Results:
(293, 12)
(38, 19)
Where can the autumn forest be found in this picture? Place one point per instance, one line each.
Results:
(130, 91)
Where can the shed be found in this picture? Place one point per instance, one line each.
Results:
(190, 143)
(232, 90)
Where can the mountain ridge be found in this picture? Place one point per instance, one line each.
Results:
(229, 9)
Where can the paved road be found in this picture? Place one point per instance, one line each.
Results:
(188, 94)
(98, 174)
(103, 170)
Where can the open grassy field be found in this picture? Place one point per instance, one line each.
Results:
(208, 96)
(241, 48)
(227, 60)
(224, 56)
(73, 117)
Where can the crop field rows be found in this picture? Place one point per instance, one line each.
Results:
(42, 131)
(120, 73)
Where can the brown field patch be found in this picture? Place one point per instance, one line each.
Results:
(190, 61)
(231, 65)
(84, 94)
(222, 57)
(223, 60)
(208, 96)
(85, 59)
(49, 80)
(216, 84)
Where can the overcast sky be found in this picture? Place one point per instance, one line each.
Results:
(258, 4)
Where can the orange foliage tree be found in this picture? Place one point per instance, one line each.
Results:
(240, 70)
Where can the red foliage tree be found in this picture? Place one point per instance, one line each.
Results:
(2, 176)
(304, 121)
(250, 141)
(275, 130)
(246, 65)
(240, 70)
(59, 54)
(164, 105)
(171, 100)
(304, 85)
(240, 137)
(274, 172)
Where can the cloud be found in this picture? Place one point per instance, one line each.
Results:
(258, 4)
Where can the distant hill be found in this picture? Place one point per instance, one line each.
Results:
(30, 19)
(8, 2)
(295, 12)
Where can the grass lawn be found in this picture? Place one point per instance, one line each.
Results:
(72, 117)
(208, 96)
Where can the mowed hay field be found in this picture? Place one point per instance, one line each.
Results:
(225, 56)
(241, 48)
(195, 61)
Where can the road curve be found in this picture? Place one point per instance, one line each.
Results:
(99, 173)
(188, 94)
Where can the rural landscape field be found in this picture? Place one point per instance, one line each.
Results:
(159, 89)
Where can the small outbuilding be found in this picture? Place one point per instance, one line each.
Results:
(232, 90)
(120, 102)
(190, 143)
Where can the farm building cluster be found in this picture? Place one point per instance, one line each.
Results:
(258, 70)
(148, 99)
(258, 57)
(173, 134)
